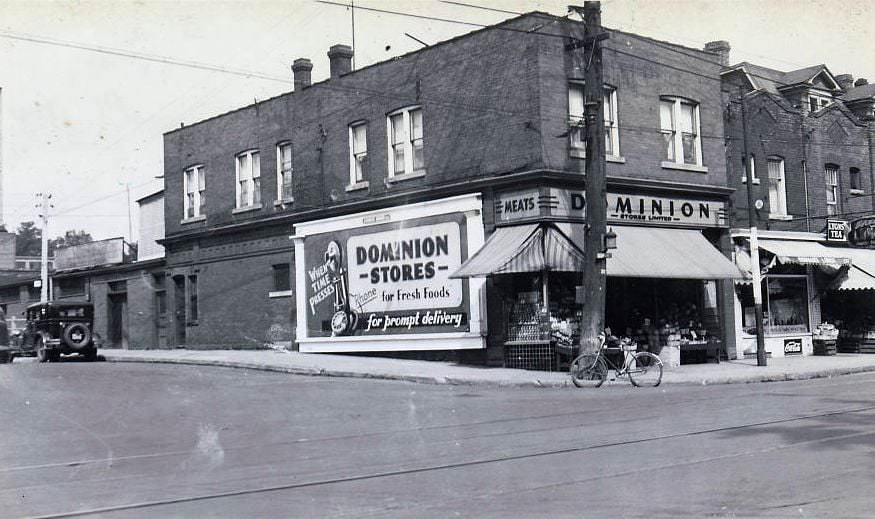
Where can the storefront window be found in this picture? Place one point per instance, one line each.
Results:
(785, 305)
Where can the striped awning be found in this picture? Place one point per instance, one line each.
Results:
(652, 252)
(805, 253)
(523, 248)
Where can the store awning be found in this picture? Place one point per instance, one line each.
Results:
(805, 253)
(523, 248)
(855, 279)
(650, 252)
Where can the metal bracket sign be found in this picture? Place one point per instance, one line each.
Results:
(836, 230)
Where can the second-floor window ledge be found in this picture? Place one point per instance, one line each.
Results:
(616, 159)
(580, 153)
(684, 167)
(364, 184)
(285, 201)
(856, 192)
(193, 219)
(407, 176)
(238, 210)
(280, 293)
(781, 217)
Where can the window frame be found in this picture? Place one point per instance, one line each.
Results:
(855, 181)
(577, 123)
(278, 291)
(357, 159)
(407, 143)
(252, 182)
(677, 135)
(197, 204)
(782, 193)
(833, 169)
(281, 172)
(822, 101)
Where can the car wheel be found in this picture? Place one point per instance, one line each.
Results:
(42, 354)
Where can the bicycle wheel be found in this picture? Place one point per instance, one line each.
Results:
(646, 370)
(588, 370)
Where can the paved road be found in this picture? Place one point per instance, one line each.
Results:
(131, 440)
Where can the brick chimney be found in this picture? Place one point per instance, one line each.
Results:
(340, 59)
(301, 72)
(860, 82)
(721, 49)
(846, 81)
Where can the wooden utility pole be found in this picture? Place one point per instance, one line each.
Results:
(44, 205)
(754, 246)
(594, 270)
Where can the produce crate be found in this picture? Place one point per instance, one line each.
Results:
(824, 346)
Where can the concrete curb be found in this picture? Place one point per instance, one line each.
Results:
(456, 381)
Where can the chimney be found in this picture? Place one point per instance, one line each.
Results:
(721, 49)
(340, 58)
(846, 81)
(860, 82)
(301, 72)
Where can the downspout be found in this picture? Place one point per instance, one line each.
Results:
(871, 132)
(805, 137)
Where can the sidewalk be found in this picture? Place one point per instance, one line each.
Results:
(731, 372)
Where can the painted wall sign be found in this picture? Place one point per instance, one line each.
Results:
(836, 230)
(793, 346)
(647, 209)
(387, 282)
(103, 252)
(570, 205)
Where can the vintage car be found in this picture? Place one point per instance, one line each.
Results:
(59, 327)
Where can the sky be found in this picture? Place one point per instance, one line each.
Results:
(87, 125)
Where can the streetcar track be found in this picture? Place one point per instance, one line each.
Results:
(487, 461)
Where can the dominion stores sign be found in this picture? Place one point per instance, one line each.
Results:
(642, 209)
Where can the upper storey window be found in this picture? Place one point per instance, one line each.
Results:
(194, 187)
(248, 180)
(679, 124)
(284, 171)
(576, 120)
(406, 150)
(816, 102)
(358, 152)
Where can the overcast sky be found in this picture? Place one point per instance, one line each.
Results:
(83, 125)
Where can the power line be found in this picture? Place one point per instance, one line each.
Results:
(140, 56)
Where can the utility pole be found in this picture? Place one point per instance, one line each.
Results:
(594, 270)
(754, 246)
(44, 206)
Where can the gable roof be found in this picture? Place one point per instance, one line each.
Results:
(773, 81)
(858, 93)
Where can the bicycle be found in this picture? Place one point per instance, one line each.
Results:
(591, 369)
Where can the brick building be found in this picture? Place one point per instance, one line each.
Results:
(337, 217)
(811, 157)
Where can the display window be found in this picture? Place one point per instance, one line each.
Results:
(785, 305)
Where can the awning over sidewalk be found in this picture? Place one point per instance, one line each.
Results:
(651, 252)
(861, 275)
(523, 248)
(805, 253)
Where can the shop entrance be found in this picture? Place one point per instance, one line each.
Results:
(654, 311)
(117, 326)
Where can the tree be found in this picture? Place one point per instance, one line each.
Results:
(28, 240)
(69, 239)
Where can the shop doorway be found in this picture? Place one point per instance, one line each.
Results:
(117, 325)
(160, 311)
(179, 310)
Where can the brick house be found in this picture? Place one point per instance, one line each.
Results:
(289, 221)
(809, 139)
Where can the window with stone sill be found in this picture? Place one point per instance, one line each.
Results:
(679, 125)
(406, 145)
(358, 152)
(194, 187)
(577, 135)
(284, 171)
(831, 180)
(854, 179)
(777, 187)
(248, 179)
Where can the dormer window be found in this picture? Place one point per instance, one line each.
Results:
(816, 102)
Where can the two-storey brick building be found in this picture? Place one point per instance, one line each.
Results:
(434, 202)
(810, 155)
